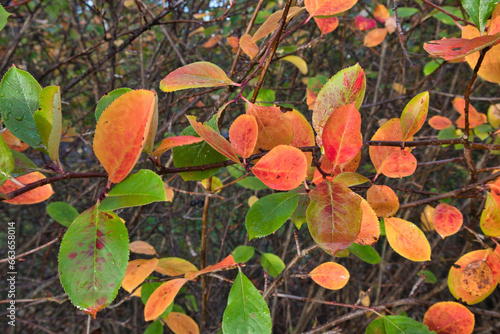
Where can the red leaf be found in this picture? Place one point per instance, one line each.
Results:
(407, 239)
(34, 196)
(303, 134)
(399, 164)
(243, 135)
(342, 134)
(475, 118)
(162, 297)
(363, 23)
(328, 7)
(196, 75)
(330, 275)
(448, 318)
(172, 142)
(274, 127)
(227, 263)
(334, 216)
(440, 122)
(447, 220)
(214, 139)
(457, 48)
(283, 168)
(327, 25)
(121, 132)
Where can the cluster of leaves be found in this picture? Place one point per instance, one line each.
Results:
(311, 168)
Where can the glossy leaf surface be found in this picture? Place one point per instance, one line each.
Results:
(334, 216)
(7, 162)
(93, 259)
(269, 213)
(396, 324)
(448, 318)
(283, 168)
(330, 275)
(48, 120)
(195, 75)
(365, 253)
(121, 132)
(62, 212)
(479, 11)
(407, 239)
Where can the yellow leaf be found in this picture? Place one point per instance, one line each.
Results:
(297, 61)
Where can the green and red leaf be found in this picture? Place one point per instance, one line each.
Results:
(414, 115)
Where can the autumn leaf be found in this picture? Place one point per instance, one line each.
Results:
(363, 23)
(298, 62)
(196, 75)
(141, 247)
(399, 164)
(13, 142)
(303, 134)
(121, 132)
(172, 142)
(456, 49)
(342, 134)
(327, 25)
(440, 122)
(383, 200)
(48, 120)
(179, 323)
(34, 196)
(212, 41)
(328, 7)
(330, 275)
(233, 42)
(414, 115)
(162, 297)
(283, 168)
(369, 231)
(333, 216)
(447, 220)
(375, 37)
(381, 13)
(448, 318)
(227, 263)
(475, 118)
(243, 135)
(137, 272)
(407, 239)
(174, 266)
(249, 48)
(272, 22)
(490, 217)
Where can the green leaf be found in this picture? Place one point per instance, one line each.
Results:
(365, 253)
(48, 120)
(107, 99)
(479, 11)
(155, 327)
(269, 213)
(62, 212)
(444, 18)
(137, 189)
(431, 66)
(481, 131)
(397, 324)
(429, 276)
(382, 227)
(246, 311)
(3, 17)
(7, 162)
(197, 154)
(250, 182)
(406, 11)
(266, 95)
(93, 259)
(147, 290)
(298, 216)
(18, 103)
(272, 263)
(448, 133)
(316, 83)
(23, 164)
(242, 254)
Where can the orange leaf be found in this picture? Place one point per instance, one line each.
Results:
(475, 118)
(243, 135)
(328, 7)
(311, 98)
(121, 132)
(414, 115)
(493, 260)
(233, 41)
(495, 21)
(214, 139)
(383, 200)
(333, 216)
(13, 142)
(162, 297)
(283, 168)
(172, 142)
(327, 167)
(303, 134)
(196, 75)
(363, 23)
(212, 41)
(490, 67)
(342, 134)
(456, 49)
(370, 226)
(174, 266)
(227, 263)
(447, 220)
(440, 122)
(381, 13)
(407, 239)
(274, 127)
(137, 272)
(250, 48)
(34, 196)
(471, 278)
(490, 217)
(449, 318)
(141, 247)
(375, 37)
(330, 275)
(327, 25)
(180, 323)
(399, 164)
(272, 22)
